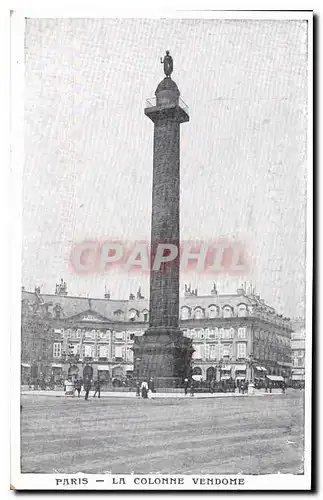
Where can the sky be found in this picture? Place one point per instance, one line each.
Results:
(89, 146)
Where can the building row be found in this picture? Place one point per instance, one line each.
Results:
(234, 335)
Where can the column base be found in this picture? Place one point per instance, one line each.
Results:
(163, 355)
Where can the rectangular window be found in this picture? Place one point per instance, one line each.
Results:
(241, 350)
(241, 333)
(129, 355)
(118, 352)
(199, 352)
(87, 351)
(213, 351)
(209, 333)
(226, 351)
(119, 335)
(44, 349)
(103, 351)
(57, 350)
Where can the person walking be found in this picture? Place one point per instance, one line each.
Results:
(77, 386)
(192, 389)
(97, 388)
(144, 390)
(87, 388)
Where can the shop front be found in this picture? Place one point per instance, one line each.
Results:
(25, 373)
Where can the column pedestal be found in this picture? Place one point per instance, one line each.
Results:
(164, 354)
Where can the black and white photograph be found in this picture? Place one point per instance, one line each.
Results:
(163, 296)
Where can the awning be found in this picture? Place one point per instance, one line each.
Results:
(226, 368)
(275, 378)
(56, 366)
(298, 377)
(25, 365)
(263, 369)
(240, 377)
(129, 368)
(241, 368)
(103, 368)
(225, 377)
(197, 377)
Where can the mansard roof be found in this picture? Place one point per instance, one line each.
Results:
(72, 306)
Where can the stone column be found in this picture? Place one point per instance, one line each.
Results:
(163, 351)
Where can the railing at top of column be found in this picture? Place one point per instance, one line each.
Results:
(152, 102)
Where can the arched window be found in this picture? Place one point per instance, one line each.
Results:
(210, 373)
(213, 311)
(197, 370)
(198, 313)
(242, 310)
(227, 312)
(185, 313)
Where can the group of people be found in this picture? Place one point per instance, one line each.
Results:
(145, 388)
(87, 385)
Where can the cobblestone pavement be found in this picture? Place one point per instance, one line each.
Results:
(248, 435)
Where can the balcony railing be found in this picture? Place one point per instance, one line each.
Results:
(152, 102)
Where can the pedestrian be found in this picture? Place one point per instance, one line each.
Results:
(185, 386)
(97, 388)
(138, 389)
(87, 388)
(66, 381)
(270, 385)
(77, 386)
(144, 390)
(192, 389)
(284, 387)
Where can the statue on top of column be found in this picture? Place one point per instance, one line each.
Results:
(168, 64)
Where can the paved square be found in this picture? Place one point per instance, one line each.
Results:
(251, 435)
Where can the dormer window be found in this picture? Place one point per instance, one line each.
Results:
(145, 315)
(198, 313)
(58, 311)
(185, 313)
(227, 312)
(213, 311)
(242, 310)
(133, 315)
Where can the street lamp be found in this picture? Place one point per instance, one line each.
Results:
(219, 366)
(250, 362)
(137, 375)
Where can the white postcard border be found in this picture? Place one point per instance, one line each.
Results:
(92, 482)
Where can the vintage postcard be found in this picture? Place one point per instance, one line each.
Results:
(162, 176)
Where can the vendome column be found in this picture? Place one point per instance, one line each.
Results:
(163, 353)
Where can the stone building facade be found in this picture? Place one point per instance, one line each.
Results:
(298, 352)
(234, 335)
